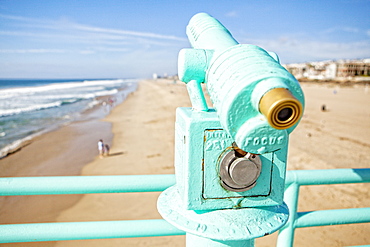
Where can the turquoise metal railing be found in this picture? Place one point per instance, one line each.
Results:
(84, 184)
(298, 178)
(151, 183)
(86, 230)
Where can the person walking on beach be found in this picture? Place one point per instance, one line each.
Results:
(101, 148)
(106, 149)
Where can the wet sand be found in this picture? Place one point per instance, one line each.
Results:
(143, 129)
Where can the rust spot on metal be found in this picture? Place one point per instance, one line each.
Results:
(239, 151)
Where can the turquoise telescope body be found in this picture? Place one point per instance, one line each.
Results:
(234, 154)
(230, 160)
(258, 102)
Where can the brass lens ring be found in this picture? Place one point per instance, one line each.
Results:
(281, 109)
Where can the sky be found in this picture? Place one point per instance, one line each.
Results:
(134, 39)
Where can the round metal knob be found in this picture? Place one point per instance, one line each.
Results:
(239, 173)
(244, 172)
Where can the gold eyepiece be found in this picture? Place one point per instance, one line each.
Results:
(281, 109)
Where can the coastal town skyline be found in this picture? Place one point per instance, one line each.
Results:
(354, 70)
(115, 39)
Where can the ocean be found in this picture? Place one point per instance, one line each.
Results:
(31, 107)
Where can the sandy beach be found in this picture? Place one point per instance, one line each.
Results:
(140, 132)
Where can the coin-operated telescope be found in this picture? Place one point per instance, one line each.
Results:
(232, 156)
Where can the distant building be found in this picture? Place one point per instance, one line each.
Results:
(330, 70)
(353, 68)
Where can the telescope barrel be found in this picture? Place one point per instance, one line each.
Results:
(244, 82)
(202, 28)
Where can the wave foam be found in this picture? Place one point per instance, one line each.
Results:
(14, 92)
(15, 146)
(9, 112)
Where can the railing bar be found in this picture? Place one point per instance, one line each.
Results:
(86, 230)
(286, 234)
(360, 246)
(13, 186)
(330, 176)
(152, 183)
(332, 217)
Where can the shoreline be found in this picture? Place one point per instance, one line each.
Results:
(60, 159)
(56, 154)
(59, 151)
(143, 129)
(94, 113)
(98, 108)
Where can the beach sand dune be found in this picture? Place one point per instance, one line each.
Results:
(143, 143)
